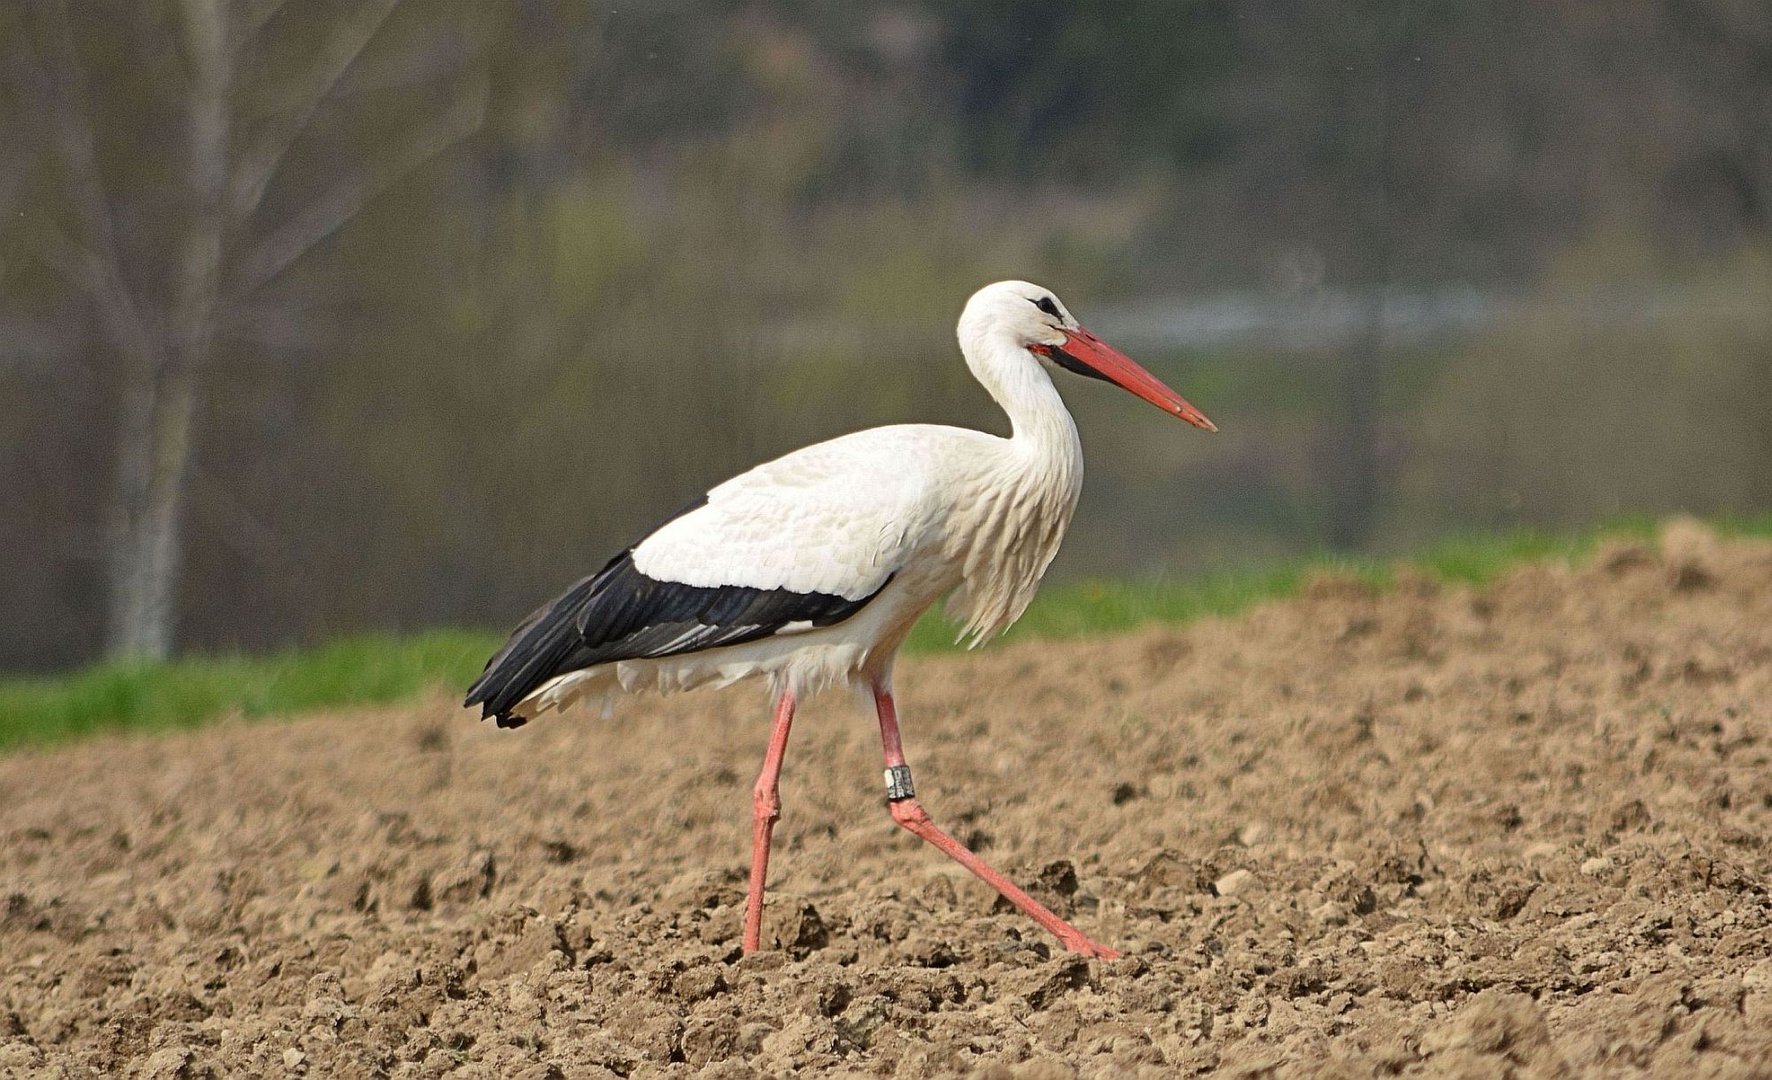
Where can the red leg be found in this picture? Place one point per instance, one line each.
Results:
(765, 812)
(902, 801)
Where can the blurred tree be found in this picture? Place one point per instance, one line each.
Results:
(1091, 92)
(217, 247)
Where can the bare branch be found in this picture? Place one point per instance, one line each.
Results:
(279, 326)
(61, 89)
(261, 163)
(82, 266)
(208, 122)
(255, 16)
(348, 199)
(95, 267)
(13, 166)
(12, 185)
(31, 339)
(92, 274)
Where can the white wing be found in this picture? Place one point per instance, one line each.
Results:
(839, 518)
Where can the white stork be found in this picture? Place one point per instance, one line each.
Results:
(812, 568)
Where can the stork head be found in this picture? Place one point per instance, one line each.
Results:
(1035, 320)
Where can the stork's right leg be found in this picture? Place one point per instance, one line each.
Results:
(765, 812)
(901, 799)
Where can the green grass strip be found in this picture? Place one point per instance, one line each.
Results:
(189, 692)
(383, 669)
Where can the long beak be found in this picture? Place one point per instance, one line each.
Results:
(1087, 354)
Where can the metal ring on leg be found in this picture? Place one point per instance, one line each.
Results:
(898, 784)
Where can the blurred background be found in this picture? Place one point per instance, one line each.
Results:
(323, 316)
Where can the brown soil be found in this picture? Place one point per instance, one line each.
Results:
(1522, 832)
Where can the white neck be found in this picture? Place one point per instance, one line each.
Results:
(1025, 494)
(1039, 422)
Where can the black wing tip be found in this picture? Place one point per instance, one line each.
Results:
(504, 718)
(481, 694)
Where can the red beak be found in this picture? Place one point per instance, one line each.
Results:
(1087, 354)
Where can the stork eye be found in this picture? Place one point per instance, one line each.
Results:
(1045, 304)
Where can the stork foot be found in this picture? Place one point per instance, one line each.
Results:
(909, 813)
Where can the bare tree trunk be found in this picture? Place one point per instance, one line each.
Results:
(1355, 490)
(153, 463)
(160, 406)
(165, 362)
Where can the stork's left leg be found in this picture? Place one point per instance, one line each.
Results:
(765, 812)
(901, 799)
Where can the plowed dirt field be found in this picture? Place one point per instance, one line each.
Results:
(1520, 831)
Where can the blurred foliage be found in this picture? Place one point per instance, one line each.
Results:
(692, 234)
(1563, 417)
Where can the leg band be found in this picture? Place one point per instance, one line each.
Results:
(898, 783)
